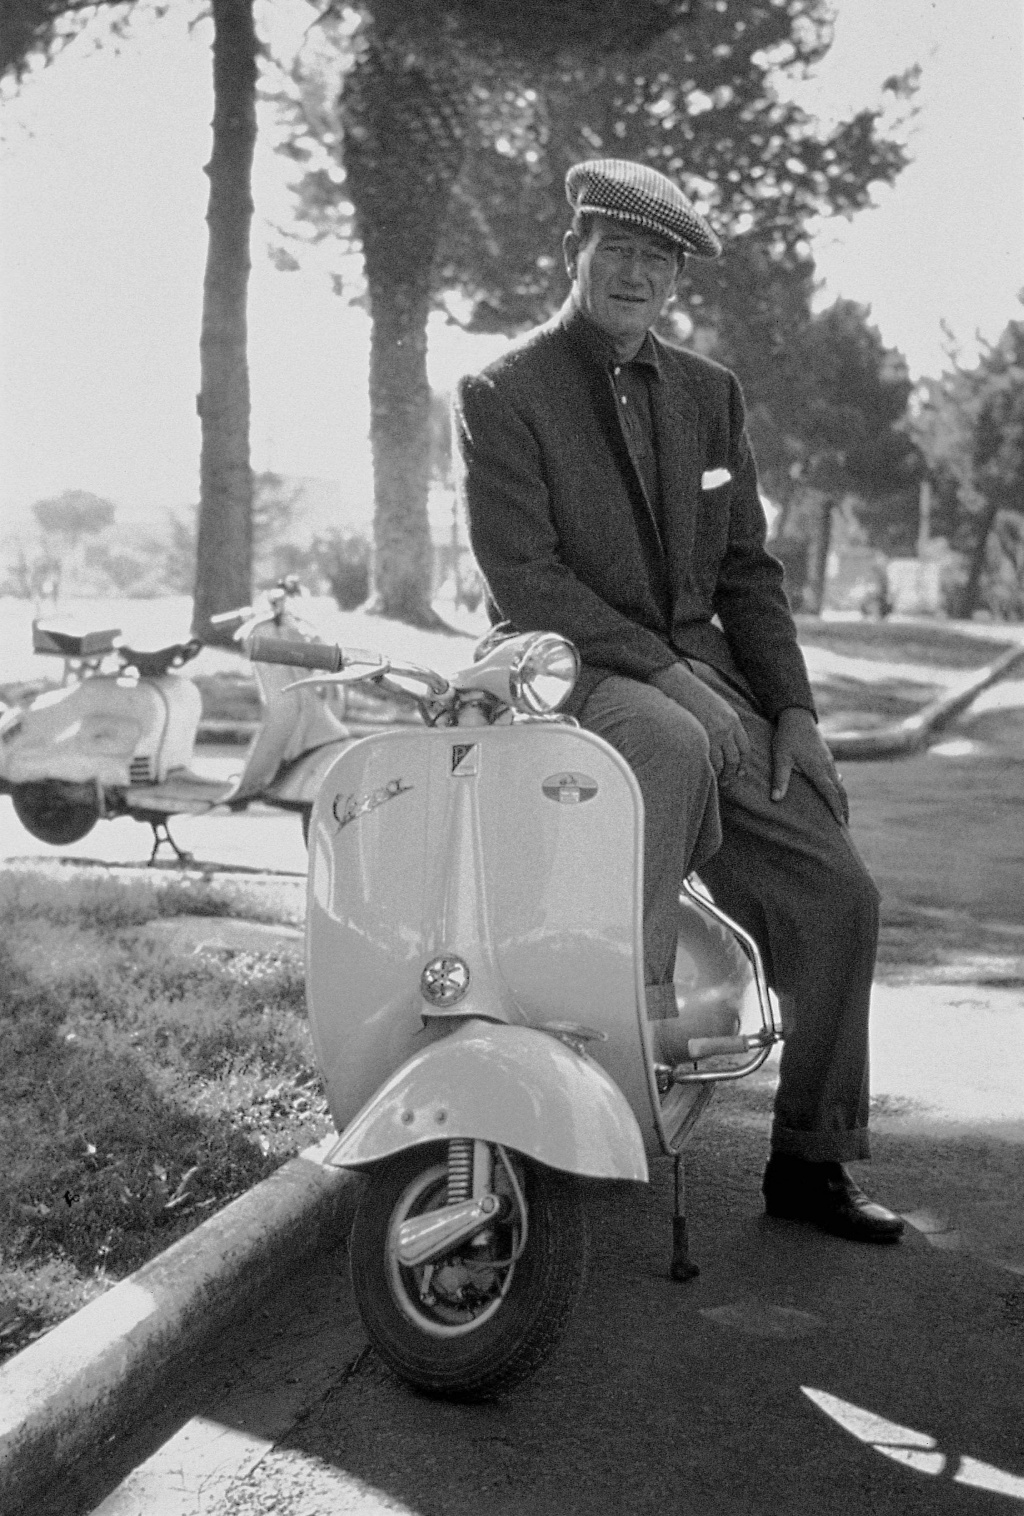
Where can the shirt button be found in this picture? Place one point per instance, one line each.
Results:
(617, 369)
(623, 399)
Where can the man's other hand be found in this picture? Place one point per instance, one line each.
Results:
(798, 744)
(729, 743)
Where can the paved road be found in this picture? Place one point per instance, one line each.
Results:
(799, 1374)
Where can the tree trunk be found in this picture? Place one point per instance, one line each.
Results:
(397, 94)
(400, 435)
(224, 548)
(972, 588)
(817, 557)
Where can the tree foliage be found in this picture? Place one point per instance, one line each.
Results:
(73, 515)
(443, 157)
(830, 431)
(970, 429)
(33, 29)
(840, 425)
(408, 112)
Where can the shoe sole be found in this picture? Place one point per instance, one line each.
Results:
(848, 1234)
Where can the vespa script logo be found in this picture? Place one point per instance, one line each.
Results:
(350, 807)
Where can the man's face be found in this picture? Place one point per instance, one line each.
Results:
(622, 277)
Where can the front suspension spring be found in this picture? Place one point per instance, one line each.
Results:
(460, 1169)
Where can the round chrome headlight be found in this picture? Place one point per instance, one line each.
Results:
(542, 676)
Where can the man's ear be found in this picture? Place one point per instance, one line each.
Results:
(571, 250)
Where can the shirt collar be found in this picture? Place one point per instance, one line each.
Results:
(598, 346)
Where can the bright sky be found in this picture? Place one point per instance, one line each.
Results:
(103, 247)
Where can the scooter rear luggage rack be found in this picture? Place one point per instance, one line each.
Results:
(66, 644)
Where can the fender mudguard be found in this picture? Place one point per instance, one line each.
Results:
(516, 1085)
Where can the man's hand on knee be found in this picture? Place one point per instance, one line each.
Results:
(798, 744)
(728, 741)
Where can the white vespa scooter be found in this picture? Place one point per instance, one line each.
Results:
(476, 997)
(118, 737)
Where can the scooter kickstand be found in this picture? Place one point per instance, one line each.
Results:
(162, 834)
(682, 1266)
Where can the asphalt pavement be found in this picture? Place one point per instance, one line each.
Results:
(798, 1374)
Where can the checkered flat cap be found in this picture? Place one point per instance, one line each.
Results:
(640, 195)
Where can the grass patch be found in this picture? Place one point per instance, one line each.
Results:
(141, 1087)
(920, 942)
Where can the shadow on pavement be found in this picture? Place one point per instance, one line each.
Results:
(798, 1374)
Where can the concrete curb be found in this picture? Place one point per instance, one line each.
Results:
(907, 736)
(65, 1394)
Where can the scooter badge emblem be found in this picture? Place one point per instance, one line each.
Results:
(465, 759)
(570, 789)
(444, 980)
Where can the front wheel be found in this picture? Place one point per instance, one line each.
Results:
(476, 1321)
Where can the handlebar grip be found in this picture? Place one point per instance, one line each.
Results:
(304, 655)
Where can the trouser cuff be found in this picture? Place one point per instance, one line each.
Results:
(822, 1147)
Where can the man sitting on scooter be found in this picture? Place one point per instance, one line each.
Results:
(612, 497)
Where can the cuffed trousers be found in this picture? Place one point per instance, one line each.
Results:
(785, 870)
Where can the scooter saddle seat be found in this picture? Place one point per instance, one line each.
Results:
(154, 662)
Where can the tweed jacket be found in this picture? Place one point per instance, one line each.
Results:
(566, 538)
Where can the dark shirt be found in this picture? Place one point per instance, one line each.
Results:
(631, 383)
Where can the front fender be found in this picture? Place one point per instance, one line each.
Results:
(514, 1085)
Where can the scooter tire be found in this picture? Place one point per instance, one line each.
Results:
(512, 1343)
(46, 813)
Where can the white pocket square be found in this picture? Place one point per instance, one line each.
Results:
(714, 478)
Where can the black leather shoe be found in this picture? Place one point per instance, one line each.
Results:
(824, 1194)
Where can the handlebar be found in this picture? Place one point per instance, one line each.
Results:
(304, 655)
(223, 617)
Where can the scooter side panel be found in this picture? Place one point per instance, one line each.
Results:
(562, 827)
(373, 834)
(475, 841)
(91, 731)
(506, 1084)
